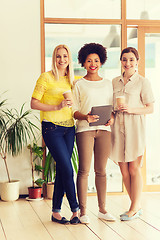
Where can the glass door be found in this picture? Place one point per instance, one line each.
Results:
(75, 36)
(149, 66)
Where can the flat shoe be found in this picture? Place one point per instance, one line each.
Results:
(62, 221)
(75, 220)
(107, 216)
(123, 213)
(140, 212)
(84, 219)
(127, 218)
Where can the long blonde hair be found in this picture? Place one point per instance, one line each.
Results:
(70, 72)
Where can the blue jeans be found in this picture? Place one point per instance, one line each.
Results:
(60, 142)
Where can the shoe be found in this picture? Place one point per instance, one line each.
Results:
(125, 217)
(123, 213)
(75, 220)
(84, 219)
(140, 212)
(62, 221)
(107, 216)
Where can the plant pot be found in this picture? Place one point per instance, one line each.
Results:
(10, 190)
(34, 192)
(50, 189)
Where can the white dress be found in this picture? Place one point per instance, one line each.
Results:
(128, 131)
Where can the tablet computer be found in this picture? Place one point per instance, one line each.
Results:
(104, 113)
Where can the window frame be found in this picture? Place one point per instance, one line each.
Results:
(125, 24)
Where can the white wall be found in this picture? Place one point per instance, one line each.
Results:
(20, 66)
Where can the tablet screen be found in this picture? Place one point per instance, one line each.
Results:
(104, 113)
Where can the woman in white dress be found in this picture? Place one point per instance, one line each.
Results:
(128, 130)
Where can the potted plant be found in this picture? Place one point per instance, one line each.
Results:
(16, 129)
(49, 171)
(49, 174)
(36, 157)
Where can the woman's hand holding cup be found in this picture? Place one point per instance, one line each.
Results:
(120, 100)
(68, 98)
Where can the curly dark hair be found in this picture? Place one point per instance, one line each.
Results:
(90, 48)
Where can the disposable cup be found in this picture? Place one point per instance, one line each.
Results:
(68, 95)
(120, 100)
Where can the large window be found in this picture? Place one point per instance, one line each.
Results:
(115, 24)
(152, 59)
(106, 9)
(75, 36)
(144, 9)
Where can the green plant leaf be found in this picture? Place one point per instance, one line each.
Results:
(40, 182)
(16, 130)
(75, 159)
(38, 168)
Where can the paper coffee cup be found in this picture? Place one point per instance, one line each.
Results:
(68, 95)
(120, 100)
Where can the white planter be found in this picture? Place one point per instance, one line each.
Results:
(50, 189)
(9, 190)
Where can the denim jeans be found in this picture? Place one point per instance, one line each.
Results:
(60, 142)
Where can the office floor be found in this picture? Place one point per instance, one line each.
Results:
(23, 220)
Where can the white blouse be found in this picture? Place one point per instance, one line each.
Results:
(87, 94)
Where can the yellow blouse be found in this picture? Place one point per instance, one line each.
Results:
(50, 91)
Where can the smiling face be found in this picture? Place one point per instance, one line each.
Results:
(92, 63)
(129, 62)
(62, 59)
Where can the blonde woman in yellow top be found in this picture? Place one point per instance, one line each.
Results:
(58, 128)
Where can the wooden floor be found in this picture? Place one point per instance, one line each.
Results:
(26, 220)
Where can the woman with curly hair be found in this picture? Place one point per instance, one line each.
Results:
(92, 90)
